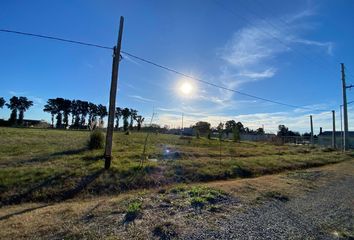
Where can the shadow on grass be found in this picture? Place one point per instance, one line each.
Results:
(81, 185)
(23, 211)
(42, 159)
(59, 196)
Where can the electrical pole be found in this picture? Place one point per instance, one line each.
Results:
(112, 97)
(334, 129)
(341, 127)
(345, 110)
(311, 130)
(182, 123)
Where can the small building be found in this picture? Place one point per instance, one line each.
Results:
(325, 139)
(35, 123)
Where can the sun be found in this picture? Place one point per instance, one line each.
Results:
(186, 88)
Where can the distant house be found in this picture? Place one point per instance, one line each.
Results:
(325, 139)
(35, 123)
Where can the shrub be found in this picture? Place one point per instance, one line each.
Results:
(96, 140)
(198, 202)
(133, 210)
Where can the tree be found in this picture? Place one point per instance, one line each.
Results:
(93, 113)
(236, 134)
(220, 129)
(2, 102)
(202, 127)
(229, 126)
(51, 108)
(125, 114)
(260, 131)
(66, 107)
(118, 115)
(133, 114)
(13, 106)
(84, 109)
(75, 111)
(59, 102)
(139, 119)
(102, 113)
(283, 131)
(23, 105)
(240, 127)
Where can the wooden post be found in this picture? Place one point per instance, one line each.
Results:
(345, 111)
(334, 130)
(112, 97)
(311, 130)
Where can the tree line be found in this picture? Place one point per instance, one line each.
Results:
(18, 107)
(84, 114)
(231, 126)
(89, 115)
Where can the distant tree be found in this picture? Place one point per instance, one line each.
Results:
(13, 106)
(23, 106)
(260, 131)
(92, 114)
(51, 108)
(102, 113)
(283, 131)
(202, 127)
(66, 107)
(118, 115)
(125, 114)
(84, 110)
(240, 127)
(133, 114)
(139, 119)
(236, 134)
(229, 126)
(220, 129)
(2, 102)
(75, 112)
(59, 102)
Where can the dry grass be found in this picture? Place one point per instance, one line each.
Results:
(103, 217)
(54, 165)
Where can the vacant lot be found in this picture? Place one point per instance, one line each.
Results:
(299, 204)
(55, 165)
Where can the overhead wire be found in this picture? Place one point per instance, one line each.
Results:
(162, 67)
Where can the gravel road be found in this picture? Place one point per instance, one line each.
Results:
(324, 213)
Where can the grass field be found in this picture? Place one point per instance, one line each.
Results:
(54, 165)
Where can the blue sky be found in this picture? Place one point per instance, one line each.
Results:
(288, 51)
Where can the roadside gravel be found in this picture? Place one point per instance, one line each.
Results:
(324, 213)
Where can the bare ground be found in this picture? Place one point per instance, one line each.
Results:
(317, 203)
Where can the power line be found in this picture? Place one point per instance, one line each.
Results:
(215, 85)
(55, 38)
(159, 66)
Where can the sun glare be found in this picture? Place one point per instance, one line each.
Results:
(186, 88)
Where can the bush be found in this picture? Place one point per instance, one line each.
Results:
(133, 211)
(96, 140)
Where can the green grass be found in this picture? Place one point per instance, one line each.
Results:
(47, 165)
(133, 210)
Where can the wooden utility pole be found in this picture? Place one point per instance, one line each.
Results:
(311, 130)
(334, 129)
(112, 97)
(345, 110)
